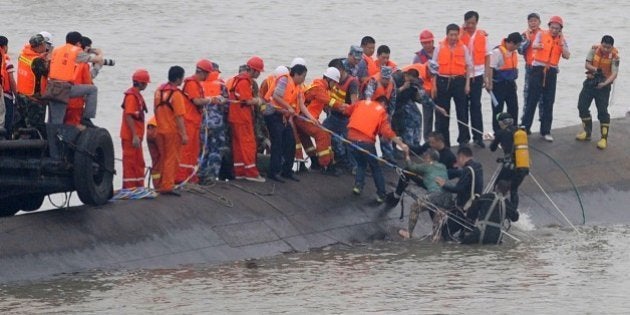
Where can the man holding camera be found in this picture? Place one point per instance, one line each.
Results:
(602, 66)
(61, 77)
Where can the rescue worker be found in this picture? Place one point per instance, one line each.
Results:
(132, 130)
(317, 97)
(195, 101)
(452, 64)
(548, 47)
(367, 67)
(213, 127)
(243, 99)
(436, 197)
(469, 185)
(351, 63)
(347, 91)
(421, 61)
(381, 84)
(382, 59)
(367, 120)
(602, 66)
(82, 75)
(63, 62)
(487, 215)
(32, 77)
(526, 49)
(477, 42)
(170, 108)
(511, 171)
(154, 143)
(504, 71)
(288, 100)
(9, 86)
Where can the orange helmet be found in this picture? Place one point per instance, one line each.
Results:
(256, 63)
(141, 76)
(556, 19)
(205, 65)
(426, 36)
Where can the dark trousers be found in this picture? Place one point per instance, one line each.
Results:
(8, 115)
(505, 92)
(541, 83)
(338, 123)
(363, 160)
(515, 177)
(448, 88)
(427, 121)
(474, 107)
(587, 95)
(282, 145)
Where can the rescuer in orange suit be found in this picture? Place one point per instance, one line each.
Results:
(367, 120)
(195, 100)
(241, 120)
(169, 102)
(154, 143)
(317, 97)
(132, 130)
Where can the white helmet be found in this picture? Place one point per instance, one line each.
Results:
(333, 74)
(47, 37)
(298, 61)
(281, 70)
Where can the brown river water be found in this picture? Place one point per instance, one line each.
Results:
(551, 271)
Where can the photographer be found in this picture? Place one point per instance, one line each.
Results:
(602, 65)
(86, 45)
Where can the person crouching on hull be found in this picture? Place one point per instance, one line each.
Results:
(488, 212)
(367, 120)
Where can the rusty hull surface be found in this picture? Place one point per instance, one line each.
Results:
(319, 211)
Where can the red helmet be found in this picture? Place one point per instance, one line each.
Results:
(141, 76)
(256, 63)
(556, 19)
(205, 65)
(426, 36)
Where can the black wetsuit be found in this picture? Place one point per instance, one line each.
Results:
(463, 190)
(478, 214)
(505, 137)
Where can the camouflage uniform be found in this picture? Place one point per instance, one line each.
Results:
(408, 118)
(213, 140)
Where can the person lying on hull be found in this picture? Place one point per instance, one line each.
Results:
(487, 214)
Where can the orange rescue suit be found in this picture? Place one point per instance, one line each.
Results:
(451, 61)
(367, 120)
(241, 121)
(133, 159)
(192, 120)
(154, 143)
(169, 104)
(74, 111)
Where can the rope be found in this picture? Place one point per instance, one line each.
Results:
(64, 204)
(202, 190)
(554, 204)
(136, 193)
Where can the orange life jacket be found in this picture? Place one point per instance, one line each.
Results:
(152, 121)
(314, 105)
(25, 76)
(604, 61)
(529, 52)
(372, 67)
(138, 115)
(425, 75)
(212, 88)
(63, 62)
(390, 64)
(291, 93)
(551, 50)
(509, 69)
(270, 83)
(477, 47)
(193, 113)
(82, 75)
(380, 89)
(367, 118)
(451, 61)
(340, 92)
(239, 112)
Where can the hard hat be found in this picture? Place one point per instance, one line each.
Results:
(256, 63)
(298, 61)
(556, 19)
(47, 37)
(281, 70)
(426, 36)
(333, 74)
(141, 76)
(205, 65)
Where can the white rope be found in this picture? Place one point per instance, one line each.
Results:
(553, 203)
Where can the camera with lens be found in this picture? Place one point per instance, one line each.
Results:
(597, 78)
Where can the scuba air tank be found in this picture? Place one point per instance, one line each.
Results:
(521, 150)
